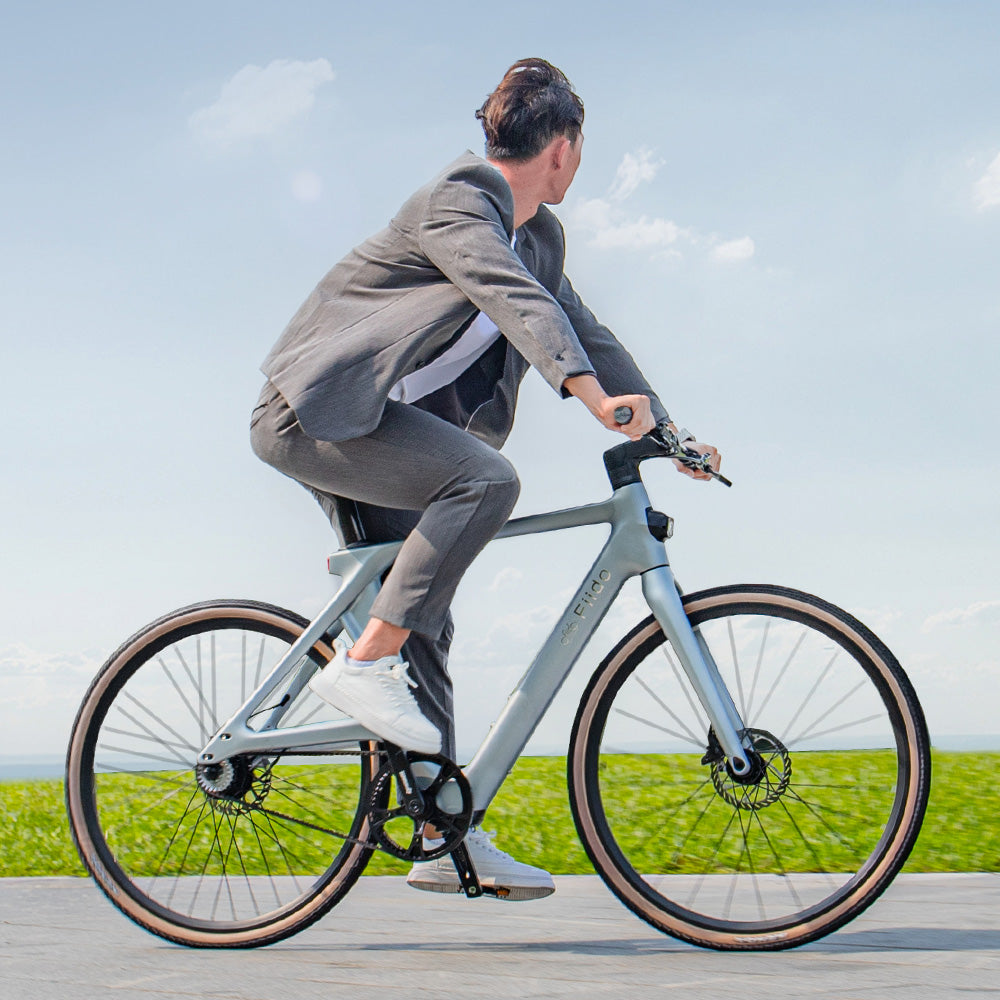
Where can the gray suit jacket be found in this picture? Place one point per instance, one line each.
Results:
(403, 296)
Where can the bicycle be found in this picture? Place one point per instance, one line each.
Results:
(748, 767)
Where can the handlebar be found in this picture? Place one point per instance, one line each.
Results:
(672, 446)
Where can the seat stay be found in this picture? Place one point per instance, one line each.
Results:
(358, 568)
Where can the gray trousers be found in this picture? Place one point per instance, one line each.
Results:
(416, 477)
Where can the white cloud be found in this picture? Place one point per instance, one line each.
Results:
(32, 679)
(635, 169)
(507, 578)
(610, 226)
(307, 186)
(258, 101)
(734, 250)
(637, 234)
(979, 613)
(986, 190)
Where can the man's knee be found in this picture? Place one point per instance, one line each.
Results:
(505, 482)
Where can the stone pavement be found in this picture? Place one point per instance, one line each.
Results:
(929, 936)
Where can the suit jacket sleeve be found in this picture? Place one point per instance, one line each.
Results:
(465, 235)
(617, 372)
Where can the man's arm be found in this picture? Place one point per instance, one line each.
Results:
(464, 237)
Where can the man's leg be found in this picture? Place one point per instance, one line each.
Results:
(428, 657)
(438, 487)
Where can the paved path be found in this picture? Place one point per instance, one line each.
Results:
(929, 936)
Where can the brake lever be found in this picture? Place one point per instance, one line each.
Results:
(668, 440)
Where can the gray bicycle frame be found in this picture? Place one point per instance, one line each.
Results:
(630, 550)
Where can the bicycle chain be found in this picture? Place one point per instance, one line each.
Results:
(371, 844)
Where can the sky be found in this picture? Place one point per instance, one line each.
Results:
(789, 213)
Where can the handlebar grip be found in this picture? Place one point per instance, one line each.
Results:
(623, 414)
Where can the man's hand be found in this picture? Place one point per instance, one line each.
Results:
(702, 449)
(588, 390)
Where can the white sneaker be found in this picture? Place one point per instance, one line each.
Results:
(512, 880)
(378, 696)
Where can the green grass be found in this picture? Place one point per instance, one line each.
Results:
(531, 815)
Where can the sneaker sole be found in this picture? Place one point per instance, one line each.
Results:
(508, 893)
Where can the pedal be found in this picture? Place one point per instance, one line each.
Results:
(468, 877)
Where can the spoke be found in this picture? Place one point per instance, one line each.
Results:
(701, 815)
(295, 802)
(183, 696)
(756, 672)
(207, 807)
(666, 708)
(260, 663)
(781, 674)
(820, 866)
(169, 745)
(846, 725)
(215, 685)
(142, 812)
(840, 701)
(864, 818)
(284, 851)
(196, 684)
(684, 686)
(302, 788)
(140, 755)
(781, 868)
(715, 854)
(229, 851)
(812, 690)
(736, 667)
(243, 666)
(201, 698)
(263, 858)
(296, 823)
(177, 829)
(179, 781)
(315, 710)
(145, 708)
(187, 850)
(654, 725)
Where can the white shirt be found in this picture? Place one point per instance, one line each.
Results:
(446, 368)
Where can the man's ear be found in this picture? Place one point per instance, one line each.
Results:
(560, 150)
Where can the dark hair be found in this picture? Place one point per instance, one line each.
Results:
(533, 103)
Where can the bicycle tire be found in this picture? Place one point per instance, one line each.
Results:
(824, 826)
(243, 869)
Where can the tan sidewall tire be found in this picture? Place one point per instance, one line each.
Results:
(128, 899)
(894, 853)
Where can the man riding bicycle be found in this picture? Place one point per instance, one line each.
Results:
(395, 385)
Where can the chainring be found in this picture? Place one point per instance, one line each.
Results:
(401, 834)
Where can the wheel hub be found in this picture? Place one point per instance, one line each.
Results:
(765, 782)
(232, 785)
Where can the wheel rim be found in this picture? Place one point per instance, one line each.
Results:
(223, 849)
(690, 841)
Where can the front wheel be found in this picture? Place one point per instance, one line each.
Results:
(239, 853)
(826, 817)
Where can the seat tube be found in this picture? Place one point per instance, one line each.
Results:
(661, 594)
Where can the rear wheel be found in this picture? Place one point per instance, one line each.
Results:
(829, 812)
(243, 852)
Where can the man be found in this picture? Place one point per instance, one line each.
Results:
(395, 384)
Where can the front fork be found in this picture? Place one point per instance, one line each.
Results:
(660, 591)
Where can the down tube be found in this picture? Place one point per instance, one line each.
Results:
(550, 667)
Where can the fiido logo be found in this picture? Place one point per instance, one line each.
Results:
(586, 600)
